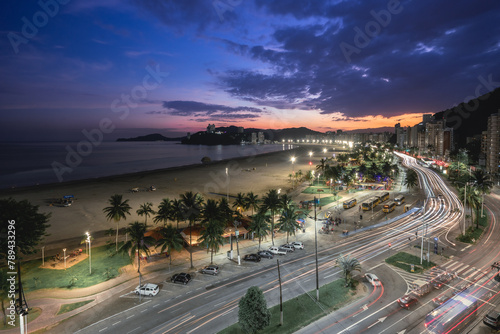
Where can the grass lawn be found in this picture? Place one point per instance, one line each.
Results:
(70, 307)
(32, 315)
(303, 310)
(104, 267)
(403, 260)
(472, 234)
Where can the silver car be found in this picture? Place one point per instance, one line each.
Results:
(211, 270)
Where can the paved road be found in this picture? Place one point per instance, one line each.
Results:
(209, 304)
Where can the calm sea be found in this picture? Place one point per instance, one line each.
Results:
(27, 164)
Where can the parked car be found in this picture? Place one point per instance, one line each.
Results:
(373, 279)
(287, 248)
(148, 289)
(440, 300)
(297, 244)
(266, 254)
(492, 318)
(276, 251)
(407, 300)
(181, 278)
(211, 270)
(252, 257)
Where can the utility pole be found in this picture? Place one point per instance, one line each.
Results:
(465, 205)
(281, 294)
(316, 248)
(422, 245)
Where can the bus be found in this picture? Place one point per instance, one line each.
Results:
(369, 203)
(384, 197)
(399, 200)
(349, 204)
(452, 316)
(389, 207)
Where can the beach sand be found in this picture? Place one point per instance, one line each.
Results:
(257, 173)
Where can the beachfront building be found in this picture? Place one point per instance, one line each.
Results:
(493, 144)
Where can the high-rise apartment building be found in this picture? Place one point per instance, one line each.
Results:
(493, 147)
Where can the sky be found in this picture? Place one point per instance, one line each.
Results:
(119, 68)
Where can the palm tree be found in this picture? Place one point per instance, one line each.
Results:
(285, 201)
(343, 159)
(322, 166)
(138, 242)
(472, 198)
(146, 210)
(165, 212)
(191, 208)
(117, 210)
(177, 211)
(411, 179)
(288, 221)
(348, 265)
(240, 203)
(225, 211)
(252, 201)
(213, 228)
(271, 202)
(347, 179)
(260, 225)
(483, 184)
(170, 240)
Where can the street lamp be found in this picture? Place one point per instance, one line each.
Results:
(90, 252)
(331, 180)
(293, 170)
(64, 250)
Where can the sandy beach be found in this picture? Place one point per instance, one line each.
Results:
(257, 173)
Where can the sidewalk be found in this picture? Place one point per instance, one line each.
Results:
(51, 300)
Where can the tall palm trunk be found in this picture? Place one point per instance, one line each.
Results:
(190, 244)
(272, 227)
(116, 237)
(138, 259)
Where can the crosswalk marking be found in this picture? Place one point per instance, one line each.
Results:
(464, 271)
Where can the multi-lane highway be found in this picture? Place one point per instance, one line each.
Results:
(209, 304)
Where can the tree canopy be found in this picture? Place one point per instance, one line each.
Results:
(253, 314)
(30, 225)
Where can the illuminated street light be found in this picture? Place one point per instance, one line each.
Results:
(64, 250)
(90, 251)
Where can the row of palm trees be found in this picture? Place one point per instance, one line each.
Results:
(476, 186)
(373, 164)
(212, 215)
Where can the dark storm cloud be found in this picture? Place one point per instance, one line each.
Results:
(425, 56)
(204, 112)
(427, 52)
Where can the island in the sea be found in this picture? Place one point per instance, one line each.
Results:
(230, 135)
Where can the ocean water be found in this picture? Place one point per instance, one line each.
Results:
(27, 164)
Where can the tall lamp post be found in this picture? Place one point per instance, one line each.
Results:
(316, 250)
(293, 170)
(90, 252)
(64, 251)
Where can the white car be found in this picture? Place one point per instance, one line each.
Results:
(148, 289)
(288, 248)
(276, 251)
(297, 244)
(373, 279)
